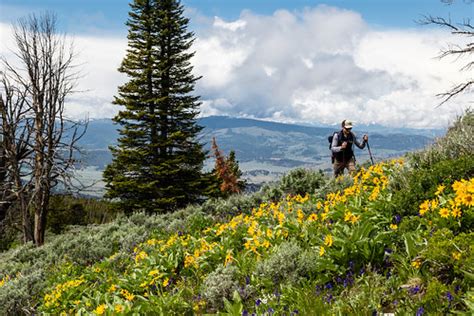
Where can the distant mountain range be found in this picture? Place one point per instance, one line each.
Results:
(266, 150)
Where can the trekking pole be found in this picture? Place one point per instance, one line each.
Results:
(370, 153)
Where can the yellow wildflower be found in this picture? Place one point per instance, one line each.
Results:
(313, 217)
(281, 218)
(189, 260)
(253, 226)
(228, 258)
(456, 212)
(416, 263)
(375, 193)
(355, 218)
(248, 244)
(256, 242)
(347, 216)
(128, 296)
(112, 288)
(221, 229)
(119, 308)
(328, 240)
(269, 233)
(324, 216)
(444, 212)
(424, 207)
(468, 200)
(440, 189)
(300, 216)
(321, 251)
(456, 255)
(394, 226)
(166, 281)
(100, 310)
(266, 244)
(4, 280)
(140, 256)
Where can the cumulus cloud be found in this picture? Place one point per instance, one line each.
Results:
(96, 61)
(316, 65)
(321, 64)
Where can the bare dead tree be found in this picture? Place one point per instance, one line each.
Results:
(15, 167)
(466, 30)
(47, 75)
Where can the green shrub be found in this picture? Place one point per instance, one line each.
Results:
(220, 284)
(456, 143)
(67, 210)
(413, 186)
(283, 265)
(297, 181)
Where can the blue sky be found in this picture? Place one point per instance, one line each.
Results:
(297, 61)
(110, 15)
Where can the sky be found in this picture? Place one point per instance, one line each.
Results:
(293, 61)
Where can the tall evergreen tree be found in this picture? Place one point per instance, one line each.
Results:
(157, 165)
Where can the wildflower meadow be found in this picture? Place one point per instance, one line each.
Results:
(348, 247)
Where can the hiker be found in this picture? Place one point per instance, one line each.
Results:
(342, 148)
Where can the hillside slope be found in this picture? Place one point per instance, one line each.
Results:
(395, 238)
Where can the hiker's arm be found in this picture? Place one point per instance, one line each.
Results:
(359, 144)
(334, 147)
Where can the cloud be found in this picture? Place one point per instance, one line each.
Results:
(97, 60)
(316, 65)
(323, 64)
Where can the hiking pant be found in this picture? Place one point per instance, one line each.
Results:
(339, 167)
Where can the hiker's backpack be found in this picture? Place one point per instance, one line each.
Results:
(330, 138)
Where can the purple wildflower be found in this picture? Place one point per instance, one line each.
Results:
(413, 290)
(449, 296)
(258, 302)
(420, 311)
(245, 313)
(318, 290)
(329, 298)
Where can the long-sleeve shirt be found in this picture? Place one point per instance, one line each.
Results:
(336, 149)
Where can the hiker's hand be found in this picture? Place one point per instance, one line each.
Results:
(344, 145)
(366, 138)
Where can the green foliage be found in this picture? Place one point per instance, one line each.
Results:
(456, 143)
(67, 210)
(342, 250)
(219, 285)
(29, 266)
(416, 185)
(298, 181)
(157, 165)
(282, 265)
